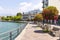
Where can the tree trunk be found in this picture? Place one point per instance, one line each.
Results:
(51, 21)
(48, 21)
(54, 21)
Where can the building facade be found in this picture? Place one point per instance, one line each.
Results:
(28, 16)
(25, 17)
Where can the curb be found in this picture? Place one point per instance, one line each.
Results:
(22, 33)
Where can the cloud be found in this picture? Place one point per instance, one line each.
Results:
(22, 7)
(1, 8)
(38, 6)
(25, 3)
(7, 11)
(25, 6)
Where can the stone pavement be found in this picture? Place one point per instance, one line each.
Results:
(33, 32)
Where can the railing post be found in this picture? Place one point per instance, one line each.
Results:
(17, 31)
(20, 29)
(10, 35)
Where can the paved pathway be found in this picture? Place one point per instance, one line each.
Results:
(33, 32)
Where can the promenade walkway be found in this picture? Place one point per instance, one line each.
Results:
(32, 32)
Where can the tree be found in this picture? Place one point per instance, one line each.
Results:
(9, 18)
(38, 17)
(3, 18)
(17, 18)
(50, 12)
(53, 10)
(19, 14)
(46, 13)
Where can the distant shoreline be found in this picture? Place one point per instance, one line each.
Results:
(16, 21)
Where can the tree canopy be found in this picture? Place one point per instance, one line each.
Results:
(18, 17)
(19, 14)
(53, 10)
(38, 17)
(50, 13)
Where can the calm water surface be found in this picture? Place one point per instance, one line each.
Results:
(9, 26)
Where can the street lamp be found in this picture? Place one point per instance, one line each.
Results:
(45, 4)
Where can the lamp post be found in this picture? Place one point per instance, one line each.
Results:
(45, 4)
(43, 9)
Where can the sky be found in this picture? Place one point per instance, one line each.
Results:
(11, 7)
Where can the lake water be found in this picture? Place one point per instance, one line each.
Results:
(7, 28)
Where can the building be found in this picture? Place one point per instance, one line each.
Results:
(28, 16)
(25, 17)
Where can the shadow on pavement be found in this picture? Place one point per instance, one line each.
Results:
(38, 31)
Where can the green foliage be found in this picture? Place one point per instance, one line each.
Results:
(18, 17)
(19, 14)
(3, 18)
(38, 17)
(46, 31)
(9, 18)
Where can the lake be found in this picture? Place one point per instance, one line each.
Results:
(10, 30)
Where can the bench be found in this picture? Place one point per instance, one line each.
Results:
(54, 31)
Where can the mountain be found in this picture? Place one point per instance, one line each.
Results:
(33, 11)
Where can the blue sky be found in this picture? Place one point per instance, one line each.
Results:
(11, 7)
